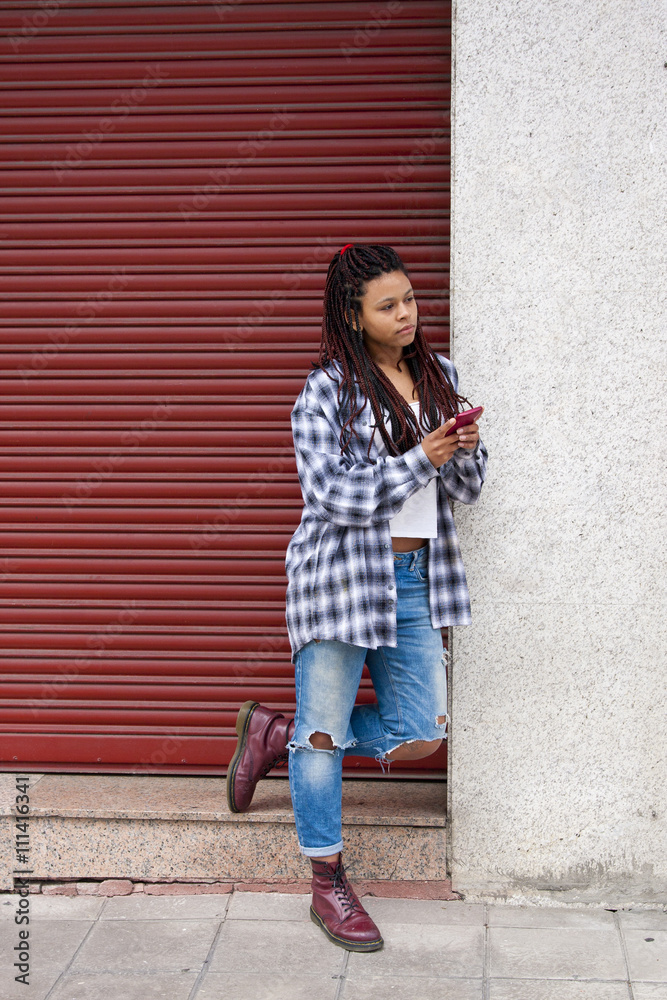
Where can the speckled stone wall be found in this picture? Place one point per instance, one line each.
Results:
(558, 779)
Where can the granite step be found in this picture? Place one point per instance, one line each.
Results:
(154, 827)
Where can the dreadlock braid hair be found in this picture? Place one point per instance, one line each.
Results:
(342, 341)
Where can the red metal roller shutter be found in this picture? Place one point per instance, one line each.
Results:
(176, 178)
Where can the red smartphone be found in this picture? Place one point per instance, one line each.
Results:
(466, 417)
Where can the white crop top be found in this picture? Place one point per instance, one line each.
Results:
(418, 518)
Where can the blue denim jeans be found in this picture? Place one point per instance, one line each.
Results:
(410, 682)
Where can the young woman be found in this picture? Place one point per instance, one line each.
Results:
(374, 569)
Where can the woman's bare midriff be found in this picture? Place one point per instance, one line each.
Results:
(407, 544)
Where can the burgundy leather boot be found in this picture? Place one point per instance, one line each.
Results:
(337, 910)
(263, 738)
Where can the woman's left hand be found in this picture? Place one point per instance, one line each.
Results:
(469, 435)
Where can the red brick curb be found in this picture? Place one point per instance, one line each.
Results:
(435, 889)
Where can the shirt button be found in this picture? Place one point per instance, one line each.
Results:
(386, 546)
(390, 588)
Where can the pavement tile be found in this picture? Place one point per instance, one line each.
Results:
(147, 945)
(542, 916)
(55, 907)
(269, 906)
(423, 911)
(418, 950)
(42, 978)
(249, 986)
(556, 953)
(140, 907)
(8, 903)
(125, 986)
(290, 948)
(51, 942)
(407, 988)
(144, 947)
(654, 920)
(559, 989)
(647, 954)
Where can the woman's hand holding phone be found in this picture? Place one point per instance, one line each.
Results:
(467, 428)
(441, 443)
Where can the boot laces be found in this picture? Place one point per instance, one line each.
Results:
(343, 890)
(277, 762)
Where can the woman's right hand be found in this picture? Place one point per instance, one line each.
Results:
(439, 449)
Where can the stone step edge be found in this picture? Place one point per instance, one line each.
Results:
(141, 798)
(214, 816)
(396, 889)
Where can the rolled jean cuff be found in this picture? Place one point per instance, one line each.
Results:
(321, 852)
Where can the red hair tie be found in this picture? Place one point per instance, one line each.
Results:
(345, 247)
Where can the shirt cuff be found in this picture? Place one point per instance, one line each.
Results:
(466, 454)
(420, 465)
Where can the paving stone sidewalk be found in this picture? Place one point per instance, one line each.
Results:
(263, 946)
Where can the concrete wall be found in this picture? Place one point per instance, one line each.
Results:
(558, 779)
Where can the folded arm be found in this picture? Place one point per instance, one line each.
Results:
(344, 492)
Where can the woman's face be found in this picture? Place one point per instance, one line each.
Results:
(388, 314)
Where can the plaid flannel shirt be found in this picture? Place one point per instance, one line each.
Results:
(340, 561)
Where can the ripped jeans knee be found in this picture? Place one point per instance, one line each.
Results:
(444, 725)
(414, 747)
(319, 741)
